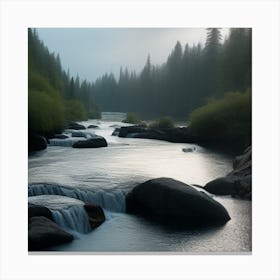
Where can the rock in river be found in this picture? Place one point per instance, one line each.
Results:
(93, 126)
(38, 210)
(76, 126)
(176, 135)
(94, 142)
(96, 215)
(43, 233)
(170, 200)
(238, 182)
(36, 142)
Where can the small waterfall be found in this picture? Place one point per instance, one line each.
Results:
(72, 218)
(112, 200)
(68, 142)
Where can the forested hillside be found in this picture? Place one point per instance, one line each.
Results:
(54, 98)
(191, 76)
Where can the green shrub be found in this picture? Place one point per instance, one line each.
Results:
(227, 120)
(163, 123)
(39, 83)
(45, 113)
(132, 118)
(75, 110)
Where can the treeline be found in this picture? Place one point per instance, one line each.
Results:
(54, 98)
(189, 78)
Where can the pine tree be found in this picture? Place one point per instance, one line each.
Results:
(212, 52)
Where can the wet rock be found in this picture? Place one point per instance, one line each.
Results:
(36, 142)
(175, 135)
(188, 150)
(36, 210)
(94, 142)
(238, 182)
(60, 136)
(95, 214)
(93, 126)
(76, 126)
(116, 132)
(115, 126)
(44, 233)
(172, 201)
(78, 134)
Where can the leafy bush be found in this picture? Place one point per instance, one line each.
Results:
(163, 123)
(132, 118)
(227, 120)
(75, 110)
(45, 113)
(39, 83)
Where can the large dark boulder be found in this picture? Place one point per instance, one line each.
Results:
(76, 126)
(37, 210)
(172, 201)
(94, 142)
(36, 142)
(44, 233)
(96, 215)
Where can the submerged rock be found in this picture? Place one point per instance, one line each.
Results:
(172, 201)
(94, 142)
(44, 233)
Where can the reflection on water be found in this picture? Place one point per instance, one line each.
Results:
(127, 162)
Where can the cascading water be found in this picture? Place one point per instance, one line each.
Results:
(103, 176)
(110, 200)
(68, 142)
(74, 218)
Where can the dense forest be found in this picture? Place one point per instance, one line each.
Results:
(54, 98)
(189, 78)
(209, 86)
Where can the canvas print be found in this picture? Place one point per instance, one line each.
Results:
(140, 140)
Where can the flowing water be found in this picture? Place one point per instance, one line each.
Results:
(104, 175)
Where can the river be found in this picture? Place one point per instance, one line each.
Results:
(104, 175)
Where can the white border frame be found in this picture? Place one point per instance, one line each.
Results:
(262, 16)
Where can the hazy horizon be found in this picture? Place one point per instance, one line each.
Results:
(92, 52)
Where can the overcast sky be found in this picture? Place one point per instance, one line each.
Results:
(90, 52)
